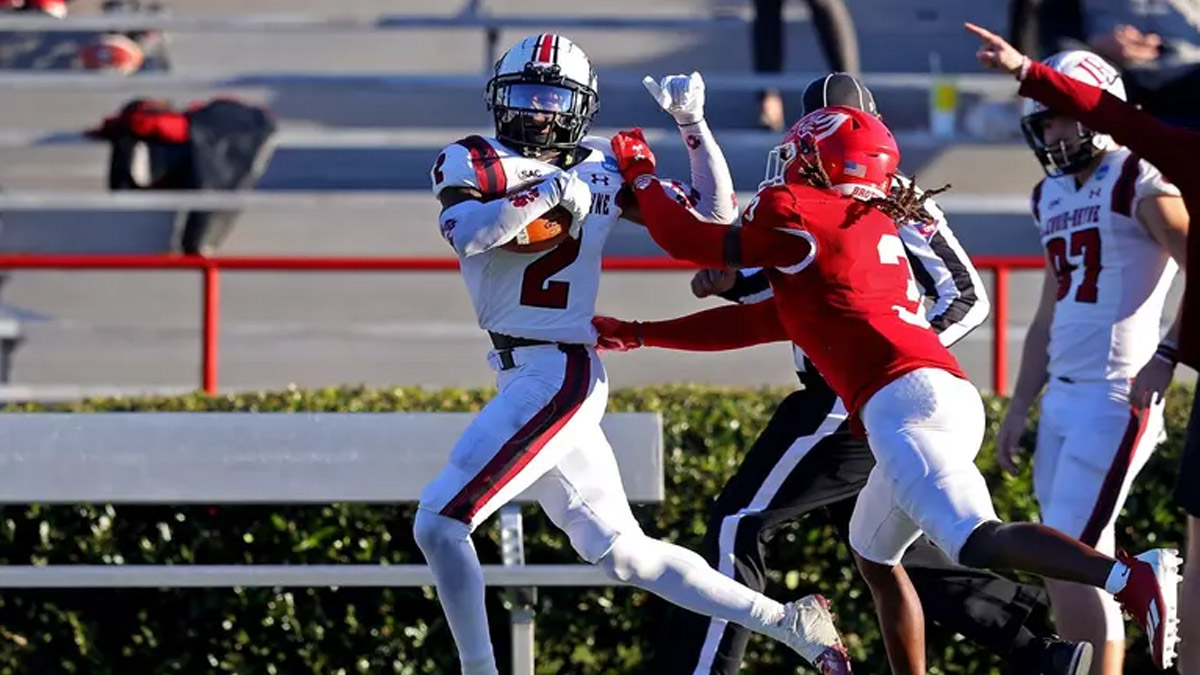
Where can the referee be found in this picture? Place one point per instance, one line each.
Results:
(806, 459)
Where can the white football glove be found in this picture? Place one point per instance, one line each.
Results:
(576, 197)
(682, 96)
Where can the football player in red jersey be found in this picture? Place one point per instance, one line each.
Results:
(843, 292)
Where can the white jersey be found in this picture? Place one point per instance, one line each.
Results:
(541, 296)
(1113, 277)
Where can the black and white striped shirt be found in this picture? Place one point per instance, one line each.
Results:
(957, 299)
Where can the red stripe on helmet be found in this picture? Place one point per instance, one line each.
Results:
(545, 44)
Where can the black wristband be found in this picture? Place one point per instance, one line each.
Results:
(1168, 353)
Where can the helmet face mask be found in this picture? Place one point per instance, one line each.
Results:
(1060, 156)
(541, 106)
(778, 160)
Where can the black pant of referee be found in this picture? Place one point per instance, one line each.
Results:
(828, 468)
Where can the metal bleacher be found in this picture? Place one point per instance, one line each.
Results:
(366, 96)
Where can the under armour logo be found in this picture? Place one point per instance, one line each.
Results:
(1094, 192)
(639, 151)
(599, 178)
(693, 142)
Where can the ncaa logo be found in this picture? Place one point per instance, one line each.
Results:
(610, 164)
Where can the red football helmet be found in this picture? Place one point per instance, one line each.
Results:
(855, 148)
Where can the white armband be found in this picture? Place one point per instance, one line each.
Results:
(710, 174)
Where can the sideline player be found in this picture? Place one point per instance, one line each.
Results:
(541, 433)
(806, 459)
(1113, 230)
(845, 295)
(1173, 150)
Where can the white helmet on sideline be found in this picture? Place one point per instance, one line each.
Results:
(1063, 158)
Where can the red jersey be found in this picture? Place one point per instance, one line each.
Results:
(852, 304)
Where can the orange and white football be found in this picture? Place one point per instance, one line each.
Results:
(548, 231)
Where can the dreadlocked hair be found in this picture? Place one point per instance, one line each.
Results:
(907, 204)
(813, 173)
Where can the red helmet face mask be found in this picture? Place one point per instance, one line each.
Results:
(854, 148)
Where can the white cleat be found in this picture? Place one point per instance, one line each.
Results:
(1151, 597)
(807, 627)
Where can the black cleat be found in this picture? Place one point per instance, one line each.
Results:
(1060, 657)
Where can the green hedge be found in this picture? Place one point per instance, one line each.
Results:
(326, 631)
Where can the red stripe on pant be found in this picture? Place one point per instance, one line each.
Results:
(1110, 490)
(529, 440)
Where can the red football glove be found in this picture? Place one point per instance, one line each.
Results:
(633, 154)
(616, 335)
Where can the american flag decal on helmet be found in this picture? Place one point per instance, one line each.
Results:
(855, 169)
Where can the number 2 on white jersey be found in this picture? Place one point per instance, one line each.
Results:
(892, 252)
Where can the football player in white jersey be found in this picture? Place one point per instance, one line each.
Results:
(541, 434)
(1115, 235)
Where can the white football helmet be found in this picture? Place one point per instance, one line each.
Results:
(1064, 158)
(543, 94)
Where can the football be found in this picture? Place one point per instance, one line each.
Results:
(548, 231)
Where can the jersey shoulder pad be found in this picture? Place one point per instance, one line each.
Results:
(602, 145)
(1152, 183)
(472, 162)
(772, 206)
(593, 142)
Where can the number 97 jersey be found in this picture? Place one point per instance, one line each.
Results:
(852, 305)
(1113, 277)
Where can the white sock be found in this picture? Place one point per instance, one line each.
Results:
(480, 667)
(685, 579)
(451, 555)
(1117, 578)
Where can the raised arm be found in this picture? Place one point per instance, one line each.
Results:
(1161, 144)
(682, 97)
(1165, 146)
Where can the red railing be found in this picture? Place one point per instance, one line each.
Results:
(211, 267)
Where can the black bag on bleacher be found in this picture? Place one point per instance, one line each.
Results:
(219, 145)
